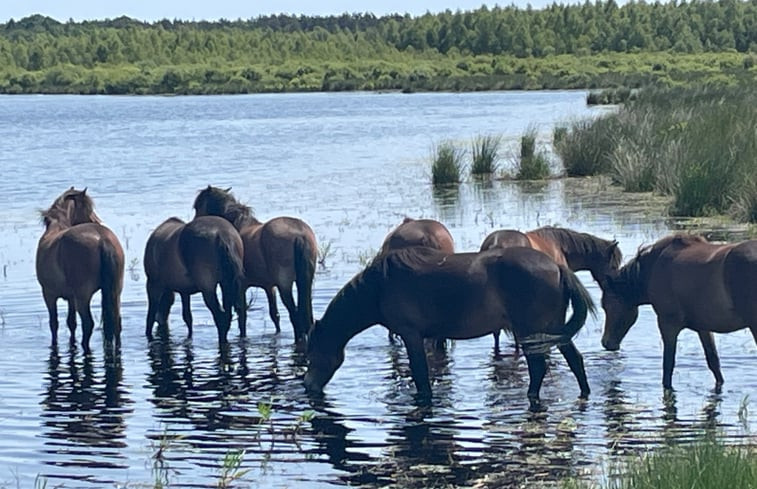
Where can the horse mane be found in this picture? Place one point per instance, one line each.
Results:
(633, 274)
(409, 259)
(221, 202)
(580, 243)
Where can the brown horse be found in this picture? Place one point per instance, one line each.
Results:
(690, 283)
(419, 232)
(195, 257)
(421, 293)
(578, 251)
(277, 254)
(77, 256)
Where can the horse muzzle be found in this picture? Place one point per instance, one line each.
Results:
(312, 386)
(610, 345)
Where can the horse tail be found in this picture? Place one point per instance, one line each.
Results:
(580, 300)
(232, 269)
(304, 272)
(111, 276)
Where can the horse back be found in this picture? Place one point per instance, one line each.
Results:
(206, 244)
(548, 247)
(505, 238)
(419, 232)
(698, 283)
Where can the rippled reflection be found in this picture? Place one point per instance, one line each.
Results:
(85, 406)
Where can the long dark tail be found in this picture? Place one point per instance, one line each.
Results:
(304, 270)
(232, 275)
(580, 300)
(111, 280)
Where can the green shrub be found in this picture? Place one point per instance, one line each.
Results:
(447, 163)
(586, 146)
(531, 164)
(485, 154)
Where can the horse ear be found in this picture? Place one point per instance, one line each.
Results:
(84, 192)
(228, 190)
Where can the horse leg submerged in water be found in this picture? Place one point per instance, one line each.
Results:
(421, 293)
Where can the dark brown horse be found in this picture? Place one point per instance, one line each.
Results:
(419, 232)
(690, 283)
(578, 251)
(77, 256)
(421, 293)
(195, 257)
(277, 254)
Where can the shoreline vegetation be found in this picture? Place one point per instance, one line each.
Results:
(588, 46)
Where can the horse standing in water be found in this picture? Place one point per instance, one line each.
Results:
(197, 256)
(690, 283)
(428, 233)
(578, 251)
(77, 256)
(277, 254)
(421, 293)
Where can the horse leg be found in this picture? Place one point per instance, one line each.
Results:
(669, 340)
(52, 310)
(576, 363)
(418, 364)
(71, 318)
(186, 312)
(241, 308)
(154, 294)
(537, 368)
(164, 308)
(496, 341)
(220, 317)
(273, 308)
(711, 354)
(87, 322)
(288, 299)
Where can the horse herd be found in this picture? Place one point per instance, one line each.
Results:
(417, 286)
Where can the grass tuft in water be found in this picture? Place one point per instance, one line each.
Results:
(447, 163)
(231, 469)
(532, 164)
(485, 154)
(707, 464)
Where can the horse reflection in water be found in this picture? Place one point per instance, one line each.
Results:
(77, 256)
(690, 283)
(578, 251)
(278, 254)
(423, 293)
(85, 412)
(192, 257)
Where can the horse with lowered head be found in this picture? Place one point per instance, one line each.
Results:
(77, 256)
(278, 253)
(690, 283)
(192, 257)
(421, 293)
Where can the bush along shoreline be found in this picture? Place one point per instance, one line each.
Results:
(696, 145)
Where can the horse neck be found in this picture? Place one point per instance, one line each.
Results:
(354, 309)
(635, 275)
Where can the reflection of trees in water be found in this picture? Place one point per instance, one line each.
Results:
(84, 411)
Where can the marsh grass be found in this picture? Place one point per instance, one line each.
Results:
(531, 164)
(485, 154)
(447, 163)
(697, 145)
(708, 464)
(231, 469)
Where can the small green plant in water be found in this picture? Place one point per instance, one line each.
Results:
(231, 468)
(324, 251)
(485, 154)
(447, 163)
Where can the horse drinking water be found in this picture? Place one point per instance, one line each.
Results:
(690, 283)
(420, 293)
(277, 254)
(77, 256)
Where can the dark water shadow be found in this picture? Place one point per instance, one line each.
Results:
(84, 411)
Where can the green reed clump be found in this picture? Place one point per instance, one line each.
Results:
(485, 154)
(705, 465)
(531, 164)
(586, 145)
(447, 163)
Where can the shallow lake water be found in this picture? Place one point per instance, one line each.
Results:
(174, 411)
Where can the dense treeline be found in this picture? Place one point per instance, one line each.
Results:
(501, 47)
